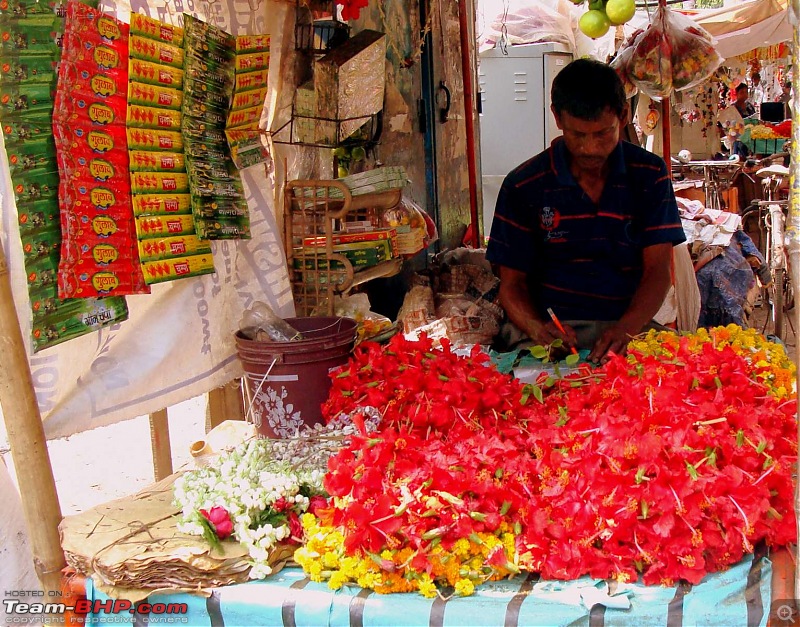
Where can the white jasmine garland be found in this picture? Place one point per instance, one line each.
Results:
(247, 482)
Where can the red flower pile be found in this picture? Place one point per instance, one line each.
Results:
(666, 468)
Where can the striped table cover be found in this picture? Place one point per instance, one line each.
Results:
(746, 594)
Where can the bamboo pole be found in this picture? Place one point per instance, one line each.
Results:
(226, 403)
(793, 230)
(28, 445)
(159, 442)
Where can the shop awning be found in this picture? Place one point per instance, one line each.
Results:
(741, 28)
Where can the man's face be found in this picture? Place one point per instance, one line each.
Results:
(590, 142)
(742, 95)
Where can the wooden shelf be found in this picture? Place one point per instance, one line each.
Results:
(314, 208)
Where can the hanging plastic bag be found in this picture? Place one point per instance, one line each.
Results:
(674, 53)
(694, 57)
(622, 63)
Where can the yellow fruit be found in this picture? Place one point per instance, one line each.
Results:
(594, 24)
(620, 11)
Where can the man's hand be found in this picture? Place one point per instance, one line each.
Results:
(545, 333)
(614, 339)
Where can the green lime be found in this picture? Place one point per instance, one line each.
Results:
(594, 24)
(620, 11)
(358, 153)
(340, 152)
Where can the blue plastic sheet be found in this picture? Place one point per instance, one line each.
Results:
(740, 595)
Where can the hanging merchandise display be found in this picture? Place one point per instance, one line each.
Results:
(169, 247)
(249, 91)
(672, 53)
(29, 50)
(218, 201)
(98, 251)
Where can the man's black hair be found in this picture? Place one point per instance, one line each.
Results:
(586, 88)
(740, 87)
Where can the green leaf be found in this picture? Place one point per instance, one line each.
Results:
(443, 377)
(740, 438)
(691, 470)
(575, 384)
(557, 343)
(209, 535)
(572, 359)
(505, 507)
(343, 374)
(762, 445)
(562, 420)
(640, 475)
(718, 383)
(695, 383)
(537, 393)
(540, 352)
(549, 382)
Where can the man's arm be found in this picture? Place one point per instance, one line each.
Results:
(645, 304)
(515, 297)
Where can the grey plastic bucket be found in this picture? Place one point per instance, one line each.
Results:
(287, 382)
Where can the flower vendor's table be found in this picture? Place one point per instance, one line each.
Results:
(766, 146)
(742, 595)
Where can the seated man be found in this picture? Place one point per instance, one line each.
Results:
(587, 226)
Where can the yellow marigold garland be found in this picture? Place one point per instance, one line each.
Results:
(772, 366)
(462, 567)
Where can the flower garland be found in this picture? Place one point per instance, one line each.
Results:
(248, 495)
(667, 465)
(768, 361)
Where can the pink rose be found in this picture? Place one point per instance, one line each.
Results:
(220, 520)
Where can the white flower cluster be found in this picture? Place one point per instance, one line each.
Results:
(246, 482)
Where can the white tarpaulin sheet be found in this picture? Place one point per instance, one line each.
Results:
(178, 342)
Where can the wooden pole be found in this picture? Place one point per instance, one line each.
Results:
(28, 444)
(159, 441)
(465, 17)
(793, 233)
(226, 403)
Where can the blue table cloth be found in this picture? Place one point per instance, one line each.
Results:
(741, 595)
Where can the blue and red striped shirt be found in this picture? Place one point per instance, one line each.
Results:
(583, 259)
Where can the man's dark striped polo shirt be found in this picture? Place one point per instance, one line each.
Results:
(582, 258)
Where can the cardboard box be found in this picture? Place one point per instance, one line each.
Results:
(349, 81)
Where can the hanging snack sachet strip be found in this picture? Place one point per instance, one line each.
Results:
(169, 246)
(210, 64)
(29, 55)
(99, 252)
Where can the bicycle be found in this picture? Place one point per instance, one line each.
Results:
(770, 218)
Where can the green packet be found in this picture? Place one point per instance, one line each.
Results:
(195, 148)
(27, 68)
(219, 207)
(32, 155)
(210, 188)
(39, 215)
(27, 98)
(194, 28)
(218, 77)
(17, 9)
(197, 129)
(33, 186)
(41, 33)
(43, 243)
(209, 52)
(202, 91)
(223, 170)
(19, 128)
(42, 272)
(77, 317)
(200, 111)
(222, 228)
